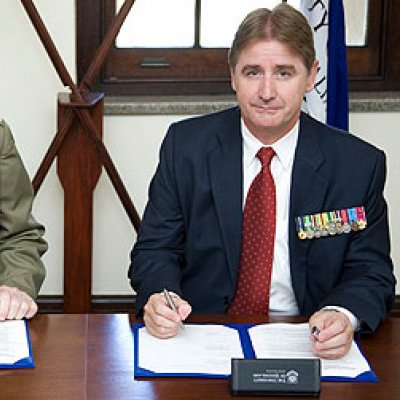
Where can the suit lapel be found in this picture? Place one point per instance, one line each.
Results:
(225, 164)
(308, 192)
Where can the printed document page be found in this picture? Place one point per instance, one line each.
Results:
(282, 340)
(13, 342)
(197, 349)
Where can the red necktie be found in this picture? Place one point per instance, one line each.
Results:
(258, 237)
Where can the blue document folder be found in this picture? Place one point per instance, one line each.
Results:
(246, 348)
(26, 362)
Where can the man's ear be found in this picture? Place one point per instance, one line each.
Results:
(312, 76)
(233, 82)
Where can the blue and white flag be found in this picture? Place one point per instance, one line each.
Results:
(328, 102)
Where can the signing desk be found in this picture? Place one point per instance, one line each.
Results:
(91, 357)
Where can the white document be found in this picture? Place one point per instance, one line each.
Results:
(282, 340)
(13, 342)
(197, 349)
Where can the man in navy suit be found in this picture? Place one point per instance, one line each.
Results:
(326, 181)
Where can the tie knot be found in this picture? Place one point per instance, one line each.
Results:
(265, 155)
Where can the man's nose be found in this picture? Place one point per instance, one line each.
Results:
(267, 89)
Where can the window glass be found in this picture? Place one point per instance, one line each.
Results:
(158, 23)
(171, 23)
(220, 19)
(356, 16)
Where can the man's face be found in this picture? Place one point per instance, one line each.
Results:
(270, 83)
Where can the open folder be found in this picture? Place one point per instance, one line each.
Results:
(15, 345)
(206, 350)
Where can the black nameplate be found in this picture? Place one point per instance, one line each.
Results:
(276, 377)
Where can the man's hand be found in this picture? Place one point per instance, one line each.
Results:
(334, 334)
(16, 304)
(160, 320)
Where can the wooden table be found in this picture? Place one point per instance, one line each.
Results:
(91, 357)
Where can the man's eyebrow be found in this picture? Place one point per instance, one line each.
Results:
(250, 66)
(290, 67)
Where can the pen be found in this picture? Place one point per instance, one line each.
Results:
(315, 332)
(172, 305)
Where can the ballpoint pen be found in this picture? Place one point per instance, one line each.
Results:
(172, 305)
(315, 332)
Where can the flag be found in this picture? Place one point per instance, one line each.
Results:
(328, 102)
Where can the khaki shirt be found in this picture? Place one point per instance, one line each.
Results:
(21, 241)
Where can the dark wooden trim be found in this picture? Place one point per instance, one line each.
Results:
(99, 304)
(396, 308)
(50, 304)
(124, 304)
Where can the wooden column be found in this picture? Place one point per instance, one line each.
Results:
(79, 169)
(81, 155)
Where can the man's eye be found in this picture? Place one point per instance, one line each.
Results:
(284, 74)
(252, 72)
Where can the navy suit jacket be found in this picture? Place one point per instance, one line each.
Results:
(190, 238)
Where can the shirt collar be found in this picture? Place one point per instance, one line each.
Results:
(284, 148)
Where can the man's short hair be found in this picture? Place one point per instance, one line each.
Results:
(284, 24)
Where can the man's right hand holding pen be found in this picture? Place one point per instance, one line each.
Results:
(160, 318)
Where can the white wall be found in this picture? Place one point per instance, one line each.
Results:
(28, 88)
(382, 129)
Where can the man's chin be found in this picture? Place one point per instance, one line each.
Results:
(268, 121)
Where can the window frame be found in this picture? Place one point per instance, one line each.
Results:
(373, 67)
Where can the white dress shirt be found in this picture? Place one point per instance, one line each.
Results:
(282, 298)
